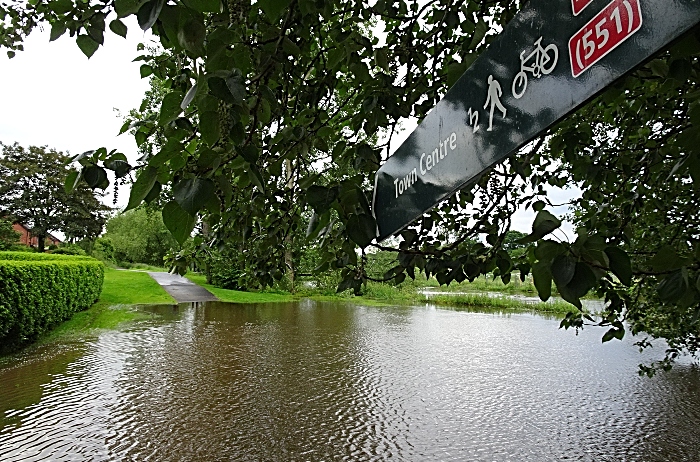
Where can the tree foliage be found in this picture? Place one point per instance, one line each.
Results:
(137, 236)
(8, 235)
(278, 113)
(32, 191)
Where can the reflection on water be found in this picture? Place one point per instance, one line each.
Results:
(324, 381)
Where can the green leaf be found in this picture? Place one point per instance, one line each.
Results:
(479, 33)
(72, 181)
(454, 71)
(125, 127)
(120, 167)
(153, 193)
(204, 6)
(170, 108)
(381, 58)
(336, 56)
(191, 36)
(118, 27)
(326, 132)
(191, 93)
(142, 186)
(192, 194)
(264, 112)
(667, 259)
(218, 88)
(87, 45)
(273, 8)
(680, 70)
(178, 221)
(58, 28)
(544, 224)
(393, 272)
(209, 127)
(125, 8)
(563, 269)
(94, 176)
(346, 283)
(313, 224)
(674, 286)
(97, 33)
(542, 277)
(61, 6)
(148, 13)
(145, 70)
(659, 67)
(320, 198)
(614, 332)
(250, 153)
(584, 279)
(291, 48)
(208, 158)
(362, 229)
(171, 149)
(620, 264)
(547, 250)
(256, 177)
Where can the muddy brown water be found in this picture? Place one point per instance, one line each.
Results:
(329, 381)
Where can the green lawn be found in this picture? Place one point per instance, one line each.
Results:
(123, 287)
(237, 296)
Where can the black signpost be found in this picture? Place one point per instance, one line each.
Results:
(550, 59)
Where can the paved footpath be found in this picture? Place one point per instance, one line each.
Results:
(182, 289)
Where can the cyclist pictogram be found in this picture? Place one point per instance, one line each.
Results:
(541, 61)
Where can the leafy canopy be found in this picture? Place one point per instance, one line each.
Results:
(32, 192)
(277, 114)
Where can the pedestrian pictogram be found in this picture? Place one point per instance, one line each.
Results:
(517, 89)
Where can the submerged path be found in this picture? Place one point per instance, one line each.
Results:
(181, 289)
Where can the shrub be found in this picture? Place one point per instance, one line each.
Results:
(139, 236)
(69, 249)
(35, 256)
(8, 236)
(20, 248)
(103, 249)
(38, 291)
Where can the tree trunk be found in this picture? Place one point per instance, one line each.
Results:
(40, 241)
(288, 241)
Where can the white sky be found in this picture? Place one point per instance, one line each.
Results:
(52, 95)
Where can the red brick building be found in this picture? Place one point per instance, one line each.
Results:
(27, 239)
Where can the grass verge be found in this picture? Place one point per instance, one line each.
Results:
(237, 296)
(132, 288)
(479, 302)
(377, 294)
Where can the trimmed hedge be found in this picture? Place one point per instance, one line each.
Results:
(38, 291)
(33, 256)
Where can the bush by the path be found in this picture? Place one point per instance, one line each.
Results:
(38, 291)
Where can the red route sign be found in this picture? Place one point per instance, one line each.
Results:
(606, 31)
(579, 5)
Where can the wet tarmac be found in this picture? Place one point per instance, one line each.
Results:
(182, 289)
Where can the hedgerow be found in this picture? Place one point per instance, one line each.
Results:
(33, 256)
(38, 291)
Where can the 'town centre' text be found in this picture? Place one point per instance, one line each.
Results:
(427, 162)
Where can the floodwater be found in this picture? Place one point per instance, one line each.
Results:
(328, 381)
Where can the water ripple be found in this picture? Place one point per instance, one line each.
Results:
(314, 381)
